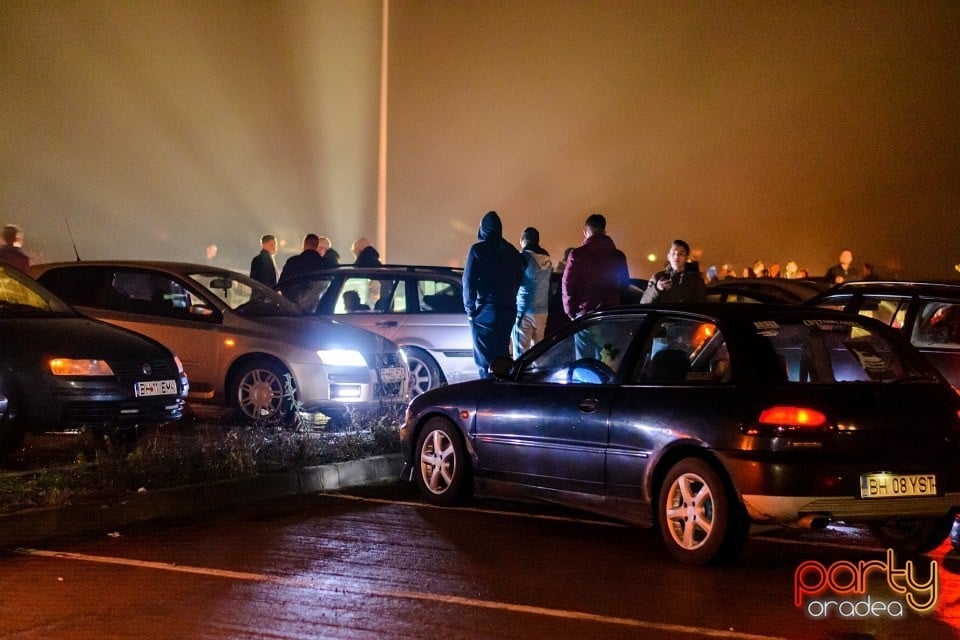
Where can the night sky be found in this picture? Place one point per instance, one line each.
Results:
(775, 131)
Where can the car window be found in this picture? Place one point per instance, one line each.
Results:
(890, 310)
(937, 325)
(681, 351)
(831, 351)
(360, 294)
(150, 293)
(19, 297)
(439, 296)
(245, 296)
(593, 355)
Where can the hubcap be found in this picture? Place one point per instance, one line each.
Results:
(420, 378)
(689, 511)
(260, 394)
(438, 462)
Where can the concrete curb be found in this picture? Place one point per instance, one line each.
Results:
(29, 527)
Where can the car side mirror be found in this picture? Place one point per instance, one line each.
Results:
(502, 367)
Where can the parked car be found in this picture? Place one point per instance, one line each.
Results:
(60, 370)
(241, 343)
(703, 419)
(420, 308)
(764, 290)
(928, 313)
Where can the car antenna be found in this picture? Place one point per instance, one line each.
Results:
(72, 241)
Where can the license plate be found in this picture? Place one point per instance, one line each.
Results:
(155, 388)
(893, 485)
(393, 374)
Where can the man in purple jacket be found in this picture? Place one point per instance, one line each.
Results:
(595, 277)
(596, 274)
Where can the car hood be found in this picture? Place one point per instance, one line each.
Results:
(75, 337)
(317, 333)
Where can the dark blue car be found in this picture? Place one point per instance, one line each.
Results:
(703, 419)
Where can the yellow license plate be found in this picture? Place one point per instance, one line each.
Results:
(894, 485)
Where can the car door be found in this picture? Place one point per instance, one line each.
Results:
(679, 388)
(549, 428)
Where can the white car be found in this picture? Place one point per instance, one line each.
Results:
(418, 307)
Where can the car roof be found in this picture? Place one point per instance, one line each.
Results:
(734, 312)
(387, 269)
(947, 288)
(798, 290)
(163, 265)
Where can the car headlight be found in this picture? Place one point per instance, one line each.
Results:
(79, 367)
(342, 357)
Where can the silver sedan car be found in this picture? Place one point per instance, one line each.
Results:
(242, 344)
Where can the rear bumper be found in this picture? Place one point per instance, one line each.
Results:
(785, 509)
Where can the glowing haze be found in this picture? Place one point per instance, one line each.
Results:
(753, 130)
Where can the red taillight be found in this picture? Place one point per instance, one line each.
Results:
(792, 417)
(785, 421)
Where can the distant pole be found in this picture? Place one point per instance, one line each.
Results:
(382, 151)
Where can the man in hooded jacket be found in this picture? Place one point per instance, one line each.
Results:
(533, 298)
(491, 278)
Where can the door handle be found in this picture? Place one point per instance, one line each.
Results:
(589, 405)
(387, 323)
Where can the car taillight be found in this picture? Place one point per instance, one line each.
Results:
(786, 420)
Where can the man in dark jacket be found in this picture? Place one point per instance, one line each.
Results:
(307, 261)
(596, 273)
(365, 253)
(491, 278)
(679, 282)
(262, 267)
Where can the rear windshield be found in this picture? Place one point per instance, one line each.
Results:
(827, 351)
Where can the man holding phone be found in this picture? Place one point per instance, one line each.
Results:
(679, 282)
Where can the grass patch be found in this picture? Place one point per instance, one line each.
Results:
(203, 452)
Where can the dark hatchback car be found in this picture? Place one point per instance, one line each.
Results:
(61, 370)
(703, 419)
(927, 313)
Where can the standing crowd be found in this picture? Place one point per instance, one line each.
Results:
(507, 293)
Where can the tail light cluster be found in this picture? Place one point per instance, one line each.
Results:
(783, 420)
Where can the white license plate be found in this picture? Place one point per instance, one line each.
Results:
(155, 388)
(893, 485)
(393, 374)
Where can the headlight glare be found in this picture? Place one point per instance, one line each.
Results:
(79, 367)
(342, 358)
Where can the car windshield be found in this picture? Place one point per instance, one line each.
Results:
(831, 350)
(245, 296)
(21, 297)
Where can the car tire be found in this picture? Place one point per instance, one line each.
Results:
(912, 537)
(441, 464)
(258, 391)
(424, 371)
(700, 520)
